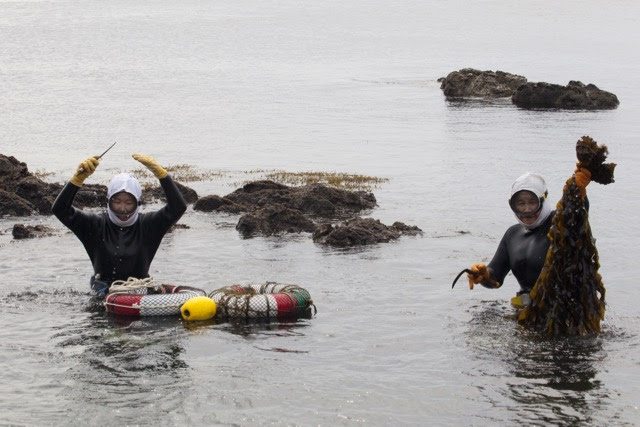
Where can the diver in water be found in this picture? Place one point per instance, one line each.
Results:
(524, 246)
(122, 241)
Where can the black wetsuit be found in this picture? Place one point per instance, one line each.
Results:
(118, 253)
(523, 252)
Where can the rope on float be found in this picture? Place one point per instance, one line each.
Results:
(132, 283)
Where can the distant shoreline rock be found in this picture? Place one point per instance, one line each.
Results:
(472, 83)
(574, 96)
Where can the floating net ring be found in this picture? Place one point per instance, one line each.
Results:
(269, 301)
(147, 298)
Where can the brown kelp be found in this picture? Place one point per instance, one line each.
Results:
(569, 298)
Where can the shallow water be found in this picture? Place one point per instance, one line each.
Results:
(330, 86)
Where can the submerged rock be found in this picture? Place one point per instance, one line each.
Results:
(361, 231)
(21, 231)
(574, 96)
(178, 226)
(469, 82)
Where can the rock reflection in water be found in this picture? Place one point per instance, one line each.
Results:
(550, 379)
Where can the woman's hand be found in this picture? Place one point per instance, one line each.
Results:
(583, 178)
(151, 164)
(86, 168)
(479, 274)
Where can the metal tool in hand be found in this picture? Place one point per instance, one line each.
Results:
(100, 156)
(466, 270)
(494, 283)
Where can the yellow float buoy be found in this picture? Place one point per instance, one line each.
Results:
(198, 308)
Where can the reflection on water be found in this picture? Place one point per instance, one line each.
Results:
(256, 328)
(551, 379)
(469, 103)
(126, 363)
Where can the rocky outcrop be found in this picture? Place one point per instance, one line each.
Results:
(157, 193)
(275, 219)
(271, 208)
(21, 231)
(22, 193)
(14, 205)
(574, 96)
(471, 83)
(316, 200)
(178, 226)
(216, 203)
(361, 231)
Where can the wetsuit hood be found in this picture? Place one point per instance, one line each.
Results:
(536, 184)
(129, 184)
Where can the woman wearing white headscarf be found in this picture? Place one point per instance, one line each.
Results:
(523, 247)
(121, 242)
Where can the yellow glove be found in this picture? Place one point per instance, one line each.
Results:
(151, 164)
(583, 178)
(479, 273)
(86, 168)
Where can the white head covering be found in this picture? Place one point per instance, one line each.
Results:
(536, 184)
(129, 184)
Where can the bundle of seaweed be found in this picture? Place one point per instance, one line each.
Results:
(569, 297)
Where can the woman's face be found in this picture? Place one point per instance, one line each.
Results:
(527, 206)
(123, 205)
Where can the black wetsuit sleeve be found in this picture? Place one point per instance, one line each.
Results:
(164, 218)
(81, 223)
(500, 264)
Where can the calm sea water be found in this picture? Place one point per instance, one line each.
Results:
(232, 87)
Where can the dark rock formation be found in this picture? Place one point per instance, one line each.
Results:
(314, 199)
(22, 193)
(88, 196)
(271, 208)
(175, 227)
(361, 231)
(574, 96)
(12, 204)
(21, 231)
(469, 82)
(274, 219)
(217, 203)
(189, 194)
